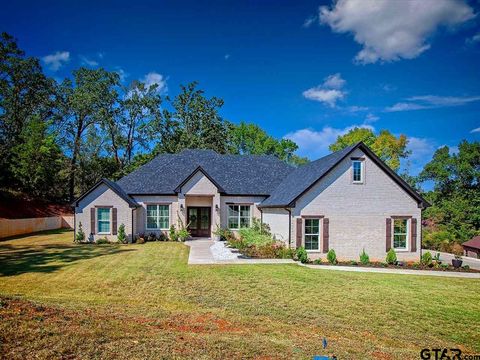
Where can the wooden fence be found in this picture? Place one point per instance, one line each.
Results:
(12, 227)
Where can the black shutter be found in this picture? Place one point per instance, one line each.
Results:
(299, 232)
(388, 237)
(326, 234)
(114, 221)
(92, 220)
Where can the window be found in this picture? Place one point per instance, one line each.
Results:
(238, 216)
(312, 234)
(400, 234)
(357, 168)
(103, 220)
(158, 217)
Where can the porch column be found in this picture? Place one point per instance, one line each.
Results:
(216, 213)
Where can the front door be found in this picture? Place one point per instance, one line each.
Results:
(198, 220)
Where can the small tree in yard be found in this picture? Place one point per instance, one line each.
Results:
(391, 258)
(364, 259)
(122, 237)
(332, 257)
(80, 234)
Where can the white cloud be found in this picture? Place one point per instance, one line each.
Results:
(355, 108)
(477, 130)
(314, 144)
(474, 39)
(226, 56)
(391, 30)
(370, 118)
(334, 81)
(309, 21)
(329, 92)
(153, 78)
(57, 60)
(88, 62)
(121, 73)
(431, 102)
(422, 150)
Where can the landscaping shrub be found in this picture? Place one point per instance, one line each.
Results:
(172, 233)
(427, 258)
(302, 255)
(391, 258)
(466, 267)
(253, 236)
(457, 249)
(151, 237)
(364, 258)
(224, 234)
(332, 257)
(182, 234)
(80, 234)
(353, 262)
(122, 237)
(162, 237)
(102, 241)
(317, 261)
(140, 240)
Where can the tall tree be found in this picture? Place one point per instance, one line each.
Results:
(456, 194)
(87, 103)
(25, 93)
(385, 145)
(140, 118)
(252, 139)
(193, 122)
(38, 162)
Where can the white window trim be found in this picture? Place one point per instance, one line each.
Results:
(110, 220)
(146, 217)
(362, 172)
(407, 242)
(320, 226)
(238, 217)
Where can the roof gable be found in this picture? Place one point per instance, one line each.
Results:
(305, 177)
(112, 186)
(192, 175)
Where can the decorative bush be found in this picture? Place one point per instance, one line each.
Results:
(466, 267)
(182, 234)
(317, 261)
(140, 238)
(427, 258)
(353, 262)
(302, 255)
(364, 258)
(162, 237)
(80, 234)
(391, 258)
(121, 236)
(102, 241)
(332, 257)
(457, 249)
(151, 237)
(172, 236)
(224, 234)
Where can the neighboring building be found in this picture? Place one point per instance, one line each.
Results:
(347, 201)
(472, 247)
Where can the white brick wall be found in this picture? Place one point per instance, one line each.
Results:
(357, 212)
(103, 196)
(278, 221)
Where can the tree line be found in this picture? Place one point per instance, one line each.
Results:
(57, 139)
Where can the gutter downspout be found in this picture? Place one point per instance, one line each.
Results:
(261, 219)
(131, 239)
(74, 223)
(289, 227)
(421, 232)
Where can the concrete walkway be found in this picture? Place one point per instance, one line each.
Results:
(200, 254)
(395, 271)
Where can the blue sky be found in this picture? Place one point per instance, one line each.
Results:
(305, 70)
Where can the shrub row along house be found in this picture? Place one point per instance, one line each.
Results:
(349, 201)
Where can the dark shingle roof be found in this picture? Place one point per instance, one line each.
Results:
(235, 174)
(302, 178)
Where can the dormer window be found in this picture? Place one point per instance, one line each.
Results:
(358, 171)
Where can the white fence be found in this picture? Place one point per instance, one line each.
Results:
(12, 227)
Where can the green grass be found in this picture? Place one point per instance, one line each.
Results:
(60, 299)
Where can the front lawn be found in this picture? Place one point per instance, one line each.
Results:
(65, 300)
